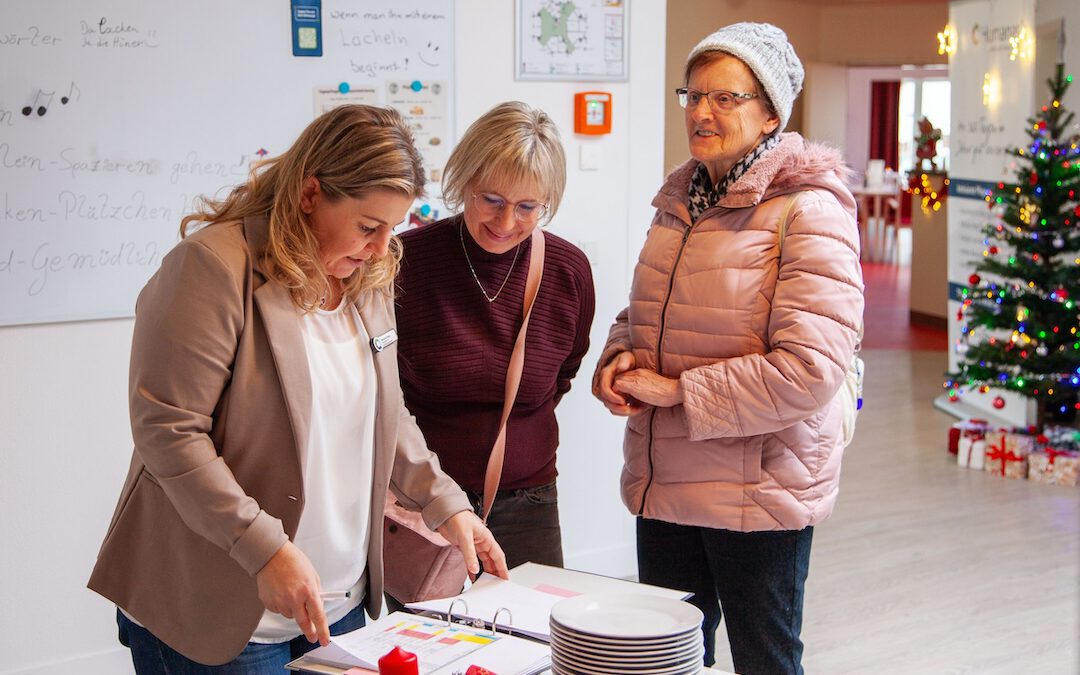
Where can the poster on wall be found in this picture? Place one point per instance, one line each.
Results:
(576, 40)
(992, 98)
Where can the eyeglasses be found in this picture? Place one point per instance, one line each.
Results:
(525, 212)
(719, 99)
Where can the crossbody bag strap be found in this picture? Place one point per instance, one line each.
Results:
(513, 374)
(784, 217)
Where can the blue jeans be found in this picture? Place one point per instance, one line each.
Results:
(756, 578)
(151, 656)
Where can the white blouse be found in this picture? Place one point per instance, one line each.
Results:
(338, 470)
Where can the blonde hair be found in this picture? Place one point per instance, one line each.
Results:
(508, 144)
(351, 150)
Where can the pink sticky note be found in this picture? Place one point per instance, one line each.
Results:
(555, 590)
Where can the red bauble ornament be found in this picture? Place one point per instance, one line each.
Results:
(1061, 294)
(974, 279)
(1033, 178)
(993, 250)
(999, 402)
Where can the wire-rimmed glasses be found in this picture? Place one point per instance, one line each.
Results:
(526, 212)
(719, 99)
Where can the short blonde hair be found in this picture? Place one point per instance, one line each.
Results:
(352, 150)
(508, 144)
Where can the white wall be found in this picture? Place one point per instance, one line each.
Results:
(64, 438)
(1053, 11)
(825, 104)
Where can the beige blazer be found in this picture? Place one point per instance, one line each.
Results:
(220, 398)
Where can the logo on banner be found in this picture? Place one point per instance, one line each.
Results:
(996, 38)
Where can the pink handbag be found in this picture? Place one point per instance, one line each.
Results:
(419, 564)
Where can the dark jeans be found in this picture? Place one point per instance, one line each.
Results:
(151, 656)
(525, 522)
(756, 578)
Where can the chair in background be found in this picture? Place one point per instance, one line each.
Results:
(896, 234)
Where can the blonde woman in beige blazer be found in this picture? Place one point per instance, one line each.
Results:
(227, 392)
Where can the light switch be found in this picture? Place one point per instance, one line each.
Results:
(589, 157)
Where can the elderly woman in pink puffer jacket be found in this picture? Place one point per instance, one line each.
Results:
(732, 349)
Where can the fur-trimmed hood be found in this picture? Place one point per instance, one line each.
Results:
(794, 164)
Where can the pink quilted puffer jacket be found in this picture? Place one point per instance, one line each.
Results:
(760, 346)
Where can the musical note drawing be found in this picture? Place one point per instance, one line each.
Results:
(41, 109)
(73, 93)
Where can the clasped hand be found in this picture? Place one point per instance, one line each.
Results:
(625, 389)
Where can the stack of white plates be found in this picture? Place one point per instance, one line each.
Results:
(619, 633)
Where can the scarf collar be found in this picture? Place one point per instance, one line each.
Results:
(703, 193)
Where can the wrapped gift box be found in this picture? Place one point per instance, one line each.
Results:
(974, 429)
(1062, 437)
(971, 446)
(954, 438)
(1057, 467)
(971, 452)
(1007, 453)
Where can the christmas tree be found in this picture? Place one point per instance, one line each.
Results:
(1019, 329)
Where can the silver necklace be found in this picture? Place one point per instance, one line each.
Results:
(489, 298)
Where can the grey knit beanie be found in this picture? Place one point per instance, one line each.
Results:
(766, 50)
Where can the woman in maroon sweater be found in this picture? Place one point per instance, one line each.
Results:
(459, 309)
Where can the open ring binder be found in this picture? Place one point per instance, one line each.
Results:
(450, 611)
(479, 623)
(509, 621)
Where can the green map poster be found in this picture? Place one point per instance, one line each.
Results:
(572, 40)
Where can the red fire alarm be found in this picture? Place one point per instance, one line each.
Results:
(592, 112)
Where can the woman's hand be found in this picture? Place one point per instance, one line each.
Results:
(615, 402)
(289, 585)
(649, 387)
(471, 536)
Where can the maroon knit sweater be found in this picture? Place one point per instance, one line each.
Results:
(455, 346)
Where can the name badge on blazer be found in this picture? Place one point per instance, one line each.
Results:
(381, 342)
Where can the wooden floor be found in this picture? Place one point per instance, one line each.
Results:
(887, 311)
(926, 567)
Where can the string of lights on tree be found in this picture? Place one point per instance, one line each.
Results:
(1019, 317)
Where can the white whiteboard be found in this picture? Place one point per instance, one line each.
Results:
(166, 101)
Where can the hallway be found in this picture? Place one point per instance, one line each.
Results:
(886, 313)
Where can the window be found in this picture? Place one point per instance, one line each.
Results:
(927, 97)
